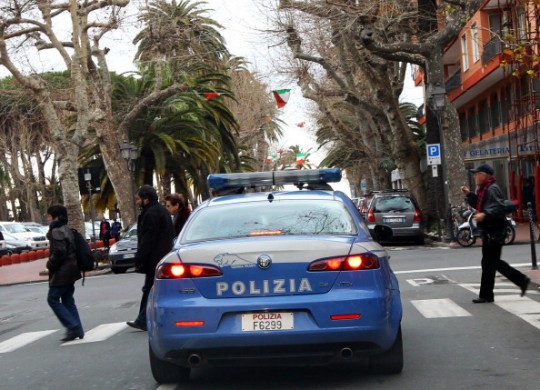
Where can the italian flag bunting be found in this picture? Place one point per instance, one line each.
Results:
(300, 158)
(211, 95)
(282, 97)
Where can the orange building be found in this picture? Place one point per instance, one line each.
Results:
(493, 79)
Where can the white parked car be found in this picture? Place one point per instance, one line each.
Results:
(18, 230)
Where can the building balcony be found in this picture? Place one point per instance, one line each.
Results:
(453, 81)
(492, 49)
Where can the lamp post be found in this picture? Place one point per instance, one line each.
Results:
(130, 153)
(438, 103)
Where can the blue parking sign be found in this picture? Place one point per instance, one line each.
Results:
(433, 152)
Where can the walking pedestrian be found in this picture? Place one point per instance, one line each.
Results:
(116, 228)
(177, 207)
(63, 272)
(490, 217)
(155, 233)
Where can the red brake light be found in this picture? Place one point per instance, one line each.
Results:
(359, 262)
(417, 216)
(180, 270)
(371, 216)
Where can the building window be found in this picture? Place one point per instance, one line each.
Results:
(475, 43)
(464, 52)
(494, 111)
(495, 26)
(483, 117)
(522, 24)
(471, 123)
(463, 128)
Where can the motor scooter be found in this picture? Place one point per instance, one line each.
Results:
(468, 231)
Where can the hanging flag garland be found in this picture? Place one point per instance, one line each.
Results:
(211, 95)
(282, 97)
(300, 158)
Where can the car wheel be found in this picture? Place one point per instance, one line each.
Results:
(117, 270)
(165, 372)
(510, 235)
(391, 361)
(420, 240)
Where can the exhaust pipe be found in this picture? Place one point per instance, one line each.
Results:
(346, 353)
(194, 360)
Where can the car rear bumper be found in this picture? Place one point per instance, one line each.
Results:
(315, 338)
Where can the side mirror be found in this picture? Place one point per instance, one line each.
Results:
(382, 233)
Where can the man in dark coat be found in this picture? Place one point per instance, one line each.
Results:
(63, 272)
(491, 219)
(155, 233)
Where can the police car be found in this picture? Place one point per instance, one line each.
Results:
(274, 277)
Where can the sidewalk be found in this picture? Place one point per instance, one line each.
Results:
(33, 271)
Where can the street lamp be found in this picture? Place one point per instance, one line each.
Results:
(438, 103)
(130, 153)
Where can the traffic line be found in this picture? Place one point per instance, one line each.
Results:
(99, 333)
(523, 307)
(439, 308)
(23, 339)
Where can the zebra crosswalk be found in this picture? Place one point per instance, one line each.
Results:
(507, 297)
(99, 333)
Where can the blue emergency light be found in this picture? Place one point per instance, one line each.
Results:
(265, 179)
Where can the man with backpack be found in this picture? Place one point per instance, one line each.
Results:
(489, 203)
(155, 233)
(63, 272)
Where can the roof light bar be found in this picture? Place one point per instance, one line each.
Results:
(264, 179)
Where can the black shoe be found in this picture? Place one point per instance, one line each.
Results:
(72, 334)
(482, 300)
(524, 286)
(137, 325)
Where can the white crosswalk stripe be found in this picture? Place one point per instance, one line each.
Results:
(99, 333)
(439, 308)
(23, 339)
(507, 297)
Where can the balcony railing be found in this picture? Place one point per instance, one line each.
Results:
(491, 49)
(453, 82)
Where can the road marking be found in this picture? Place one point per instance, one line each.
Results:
(99, 333)
(418, 271)
(439, 308)
(525, 308)
(23, 339)
(420, 282)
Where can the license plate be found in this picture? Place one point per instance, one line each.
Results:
(129, 255)
(394, 220)
(257, 322)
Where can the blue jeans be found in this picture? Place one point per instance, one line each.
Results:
(62, 303)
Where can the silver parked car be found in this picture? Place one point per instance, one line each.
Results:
(398, 210)
(122, 253)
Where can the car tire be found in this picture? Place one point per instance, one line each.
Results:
(391, 361)
(165, 372)
(420, 240)
(117, 270)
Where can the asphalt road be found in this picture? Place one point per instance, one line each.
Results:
(449, 343)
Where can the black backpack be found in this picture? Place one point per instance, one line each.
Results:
(85, 257)
(510, 206)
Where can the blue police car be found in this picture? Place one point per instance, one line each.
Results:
(274, 277)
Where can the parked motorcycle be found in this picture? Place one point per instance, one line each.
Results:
(468, 231)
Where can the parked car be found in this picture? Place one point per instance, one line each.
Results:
(279, 278)
(398, 210)
(36, 227)
(17, 229)
(122, 253)
(13, 244)
(89, 231)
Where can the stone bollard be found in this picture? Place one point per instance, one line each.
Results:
(15, 258)
(6, 260)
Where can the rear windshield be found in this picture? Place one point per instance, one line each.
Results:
(296, 217)
(393, 203)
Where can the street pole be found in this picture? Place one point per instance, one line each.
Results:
(88, 179)
(438, 102)
(531, 233)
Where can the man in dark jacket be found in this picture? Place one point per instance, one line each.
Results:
(491, 219)
(63, 272)
(155, 233)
